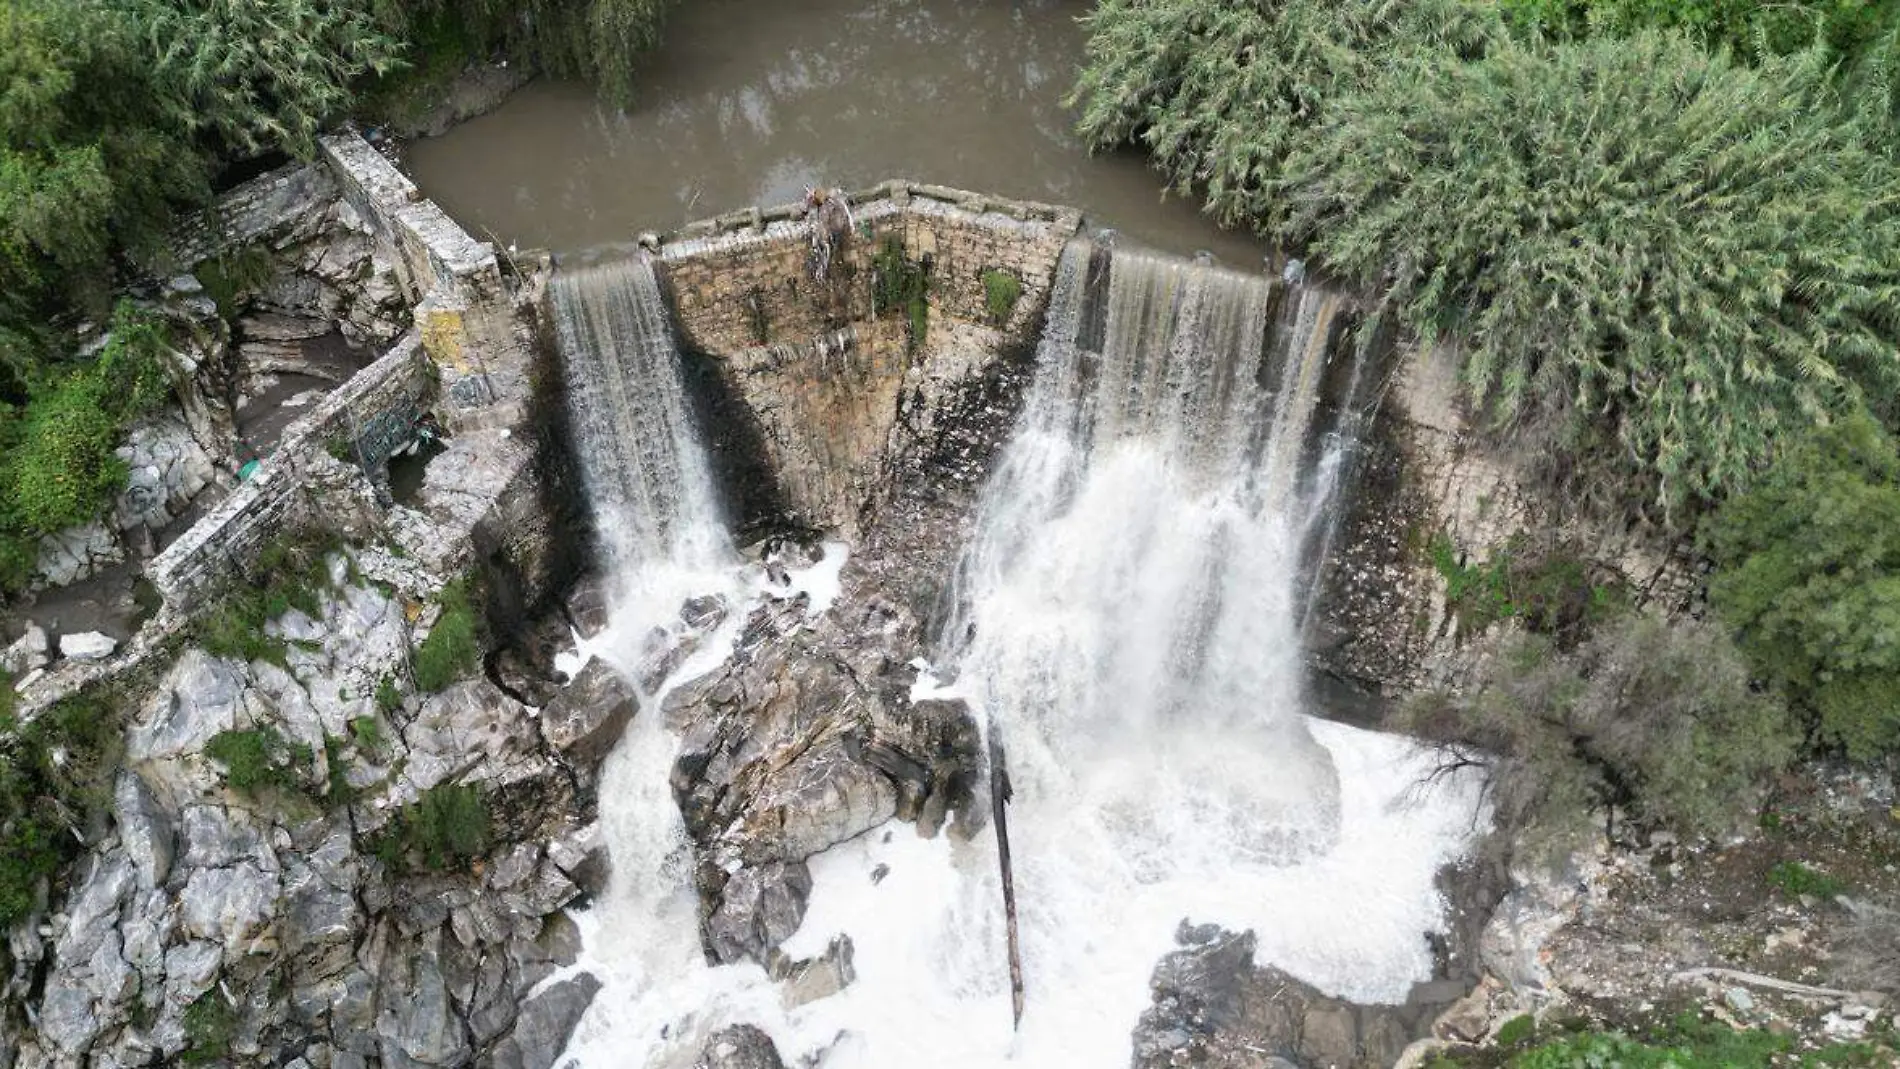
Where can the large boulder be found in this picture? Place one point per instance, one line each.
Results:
(759, 908)
(739, 1046)
(587, 717)
(546, 1022)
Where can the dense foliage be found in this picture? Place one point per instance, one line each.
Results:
(1809, 575)
(55, 785)
(1653, 259)
(1654, 717)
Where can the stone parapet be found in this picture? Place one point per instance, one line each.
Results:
(365, 418)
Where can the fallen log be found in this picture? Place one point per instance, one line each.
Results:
(999, 798)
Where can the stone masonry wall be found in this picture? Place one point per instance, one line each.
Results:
(829, 381)
(285, 489)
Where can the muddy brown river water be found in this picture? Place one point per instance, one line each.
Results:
(750, 101)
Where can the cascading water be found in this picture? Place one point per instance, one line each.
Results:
(1128, 603)
(1129, 629)
(656, 514)
(661, 540)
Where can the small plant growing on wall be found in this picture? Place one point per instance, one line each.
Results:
(755, 315)
(1001, 290)
(898, 282)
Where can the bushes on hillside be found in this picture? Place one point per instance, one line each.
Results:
(1808, 572)
(1657, 718)
(58, 467)
(1654, 261)
(55, 782)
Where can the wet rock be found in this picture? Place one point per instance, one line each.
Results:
(587, 717)
(1213, 1007)
(87, 646)
(166, 470)
(231, 905)
(418, 1021)
(77, 552)
(759, 908)
(198, 698)
(740, 1046)
(820, 977)
(547, 1021)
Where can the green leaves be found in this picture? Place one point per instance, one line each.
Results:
(1808, 572)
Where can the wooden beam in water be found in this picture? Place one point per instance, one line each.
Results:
(999, 799)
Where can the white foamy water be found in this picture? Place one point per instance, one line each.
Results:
(1128, 630)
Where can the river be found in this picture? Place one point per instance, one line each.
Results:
(750, 101)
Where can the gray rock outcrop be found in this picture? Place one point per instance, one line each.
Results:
(739, 1046)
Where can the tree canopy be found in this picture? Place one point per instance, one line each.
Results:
(1653, 258)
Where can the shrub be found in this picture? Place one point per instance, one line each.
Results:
(1655, 717)
(1794, 879)
(1559, 212)
(446, 828)
(451, 651)
(231, 275)
(1808, 573)
(1001, 291)
(55, 782)
(899, 282)
(260, 759)
(388, 698)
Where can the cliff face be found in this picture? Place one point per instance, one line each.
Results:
(1425, 487)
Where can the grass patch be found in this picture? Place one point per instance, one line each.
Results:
(257, 760)
(211, 1024)
(290, 574)
(1794, 879)
(1549, 591)
(446, 829)
(1684, 1042)
(1001, 291)
(451, 651)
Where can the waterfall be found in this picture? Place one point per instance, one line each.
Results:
(1135, 585)
(1128, 625)
(656, 515)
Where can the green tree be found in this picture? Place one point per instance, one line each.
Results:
(1653, 716)
(1808, 573)
(1222, 93)
(1653, 261)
